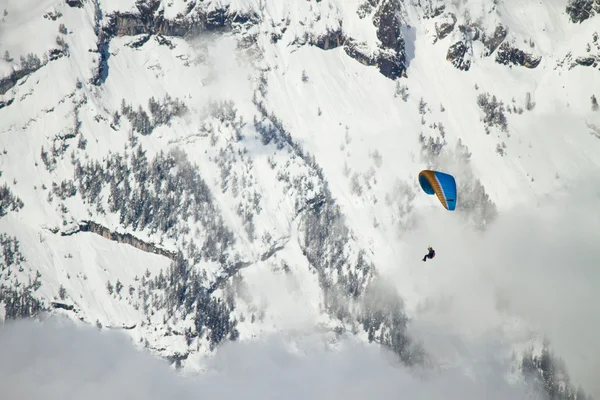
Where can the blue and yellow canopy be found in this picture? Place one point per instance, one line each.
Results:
(440, 184)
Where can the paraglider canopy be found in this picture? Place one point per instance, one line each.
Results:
(442, 185)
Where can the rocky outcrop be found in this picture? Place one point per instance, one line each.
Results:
(127, 238)
(431, 10)
(101, 70)
(150, 20)
(11, 80)
(587, 61)
(330, 40)
(75, 3)
(491, 42)
(509, 55)
(459, 55)
(63, 306)
(592, 58)
(160, 39)
(354, 50)
(391, 57)
(334, 39)
(445, 28)
(580, 10)
(52, 15)
(6, 103)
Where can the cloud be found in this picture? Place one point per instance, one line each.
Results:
(535, 266)
(55, 359)
(355, 371)
(227, 71)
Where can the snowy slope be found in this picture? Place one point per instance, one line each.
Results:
(232, 131)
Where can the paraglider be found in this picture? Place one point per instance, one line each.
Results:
(429, 255)
(442, 185)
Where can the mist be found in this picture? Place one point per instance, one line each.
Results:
(227, 72)
(531, 275)
(57, 359)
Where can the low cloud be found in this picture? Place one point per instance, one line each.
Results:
(535, 267)
(226, 70)
(56, 359)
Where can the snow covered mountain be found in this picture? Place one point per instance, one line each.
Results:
(197, 172)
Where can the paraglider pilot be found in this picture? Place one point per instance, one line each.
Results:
(430, 255)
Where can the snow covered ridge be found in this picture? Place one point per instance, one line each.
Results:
(248, 175)
(129, 192)
(332, 26)
(156, 18)
(374, 33)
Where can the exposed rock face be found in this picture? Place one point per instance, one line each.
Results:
(433, 8)
(330, 40)
(355, 51)
(63, 306)
(591, 58)
(509, 55)
(6, 103)
(91, 226)
(458, 55)
(366, 8)
(587, 61)
(8, 82)
(75, 3)
(391, 57)
(492, 42)
(27, 68)
(580, 10)
(150, 20)
(445, 28)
